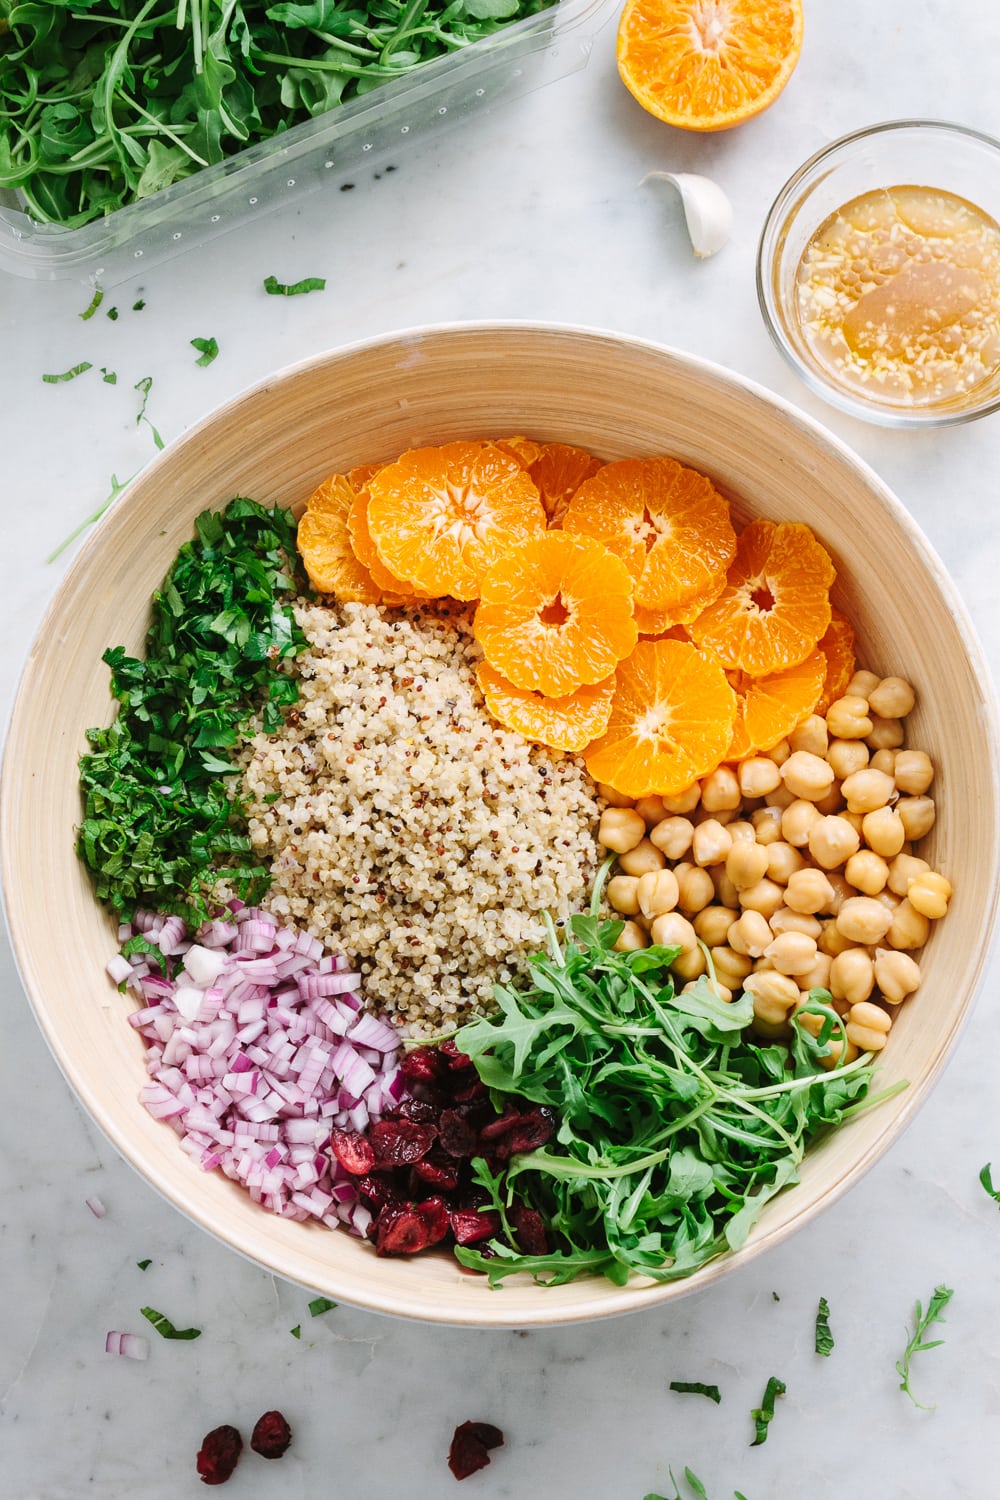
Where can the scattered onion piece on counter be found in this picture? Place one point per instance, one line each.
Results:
(132, 1345)
(257, 1047)
(708, 213)
(96, 1207)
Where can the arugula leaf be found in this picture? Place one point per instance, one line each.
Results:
(275, 288)
(320, 1305)
(209, 350)
(986, 1178)
(824, 1338)
(763, 1414)
(165, 1328)
(695, 1388)
(71, 374)
(918, 1343)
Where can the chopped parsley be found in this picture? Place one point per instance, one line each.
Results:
(138, 306)
(320, 1305)
(695, 1388)
(144, 1265)
(824, 1338)
(93, 305)
(986, 1178)
(918, 1343)
(116, 488)
(109, 376)
(208, 348)
(692, 1479)
(296, 1332)
(112, 313)
(763, 1414)
(275, 288)
(71, 374)
(165, 1328)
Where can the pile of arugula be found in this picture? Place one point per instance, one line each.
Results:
(108, 101)
(676, 1125)
(160, 824)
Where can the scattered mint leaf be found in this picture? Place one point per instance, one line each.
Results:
(986, 1178)
(764, 1413)
(165, 1328)
(275, 288)
(320, 1305)
(209, 350)
(918, 1344)
(79, 369)
(93, 305)
(144, 1265)
(695, 1388)
(824, 1338)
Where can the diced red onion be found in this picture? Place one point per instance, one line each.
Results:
(132, 1345)
(96, 1207)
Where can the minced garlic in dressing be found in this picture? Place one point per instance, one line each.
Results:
(898, 297)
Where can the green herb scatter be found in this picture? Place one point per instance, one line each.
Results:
(763, 1415)
(144, 1265)
(697, 1488)
(824, 1341)
(296, 1332)
(320, 1305)
(71, 374)
(275, 288)
(919, 1343)
(675, 1125)
(695, 1388)
(93, 305)
(160, 825)
(208, 348)
(986, 1178)
(116, 488)
(165, 1328)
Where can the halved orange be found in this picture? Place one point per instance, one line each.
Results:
(837, 645)
(769, 708)
(440, 516)
(708, 64)
(668, 524)
(568, 723)
(325, 545)
(776, 602)
(555, 613)
(671, 721)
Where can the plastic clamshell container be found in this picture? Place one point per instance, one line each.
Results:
(319, 152)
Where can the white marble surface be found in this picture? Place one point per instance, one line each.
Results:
(532, 212)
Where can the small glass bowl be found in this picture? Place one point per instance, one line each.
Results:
(921, 153)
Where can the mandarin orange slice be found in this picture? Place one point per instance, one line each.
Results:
(776, 602)
(555, 613)
(325, 545)
(837, 645)
(524, 449)
(668, 524)
(769, 708)
(567, 723)
(708, 64)
(671, 721)
(439, 517)
(361, 539)
(559, 470)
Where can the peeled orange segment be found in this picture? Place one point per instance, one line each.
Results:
(555, 613)
(776, 602)
(668, 524)
(325, 545)
(364, 547)
(708, 64)
(837, 645)
(567, 723)
(439, 517)
(559, 470)
(657, 622)
(771, 707)
(671, 721)
(524, 449)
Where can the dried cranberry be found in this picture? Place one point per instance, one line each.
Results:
(377, 1188)
(457, 1060)
(219, 1454)
(494, 1130)
(400, 1231)
(469, 1226)
(532, 1130)
(433, 1214)
(436, 1173)
(456, 1135)
(271, 1435)
(422, 1111)
(399, 1143)
(470, 1447)
(352, 1151)
(475, 1090)
(424, 1065)
(529, 1227)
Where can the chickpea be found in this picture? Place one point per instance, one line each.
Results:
(806, 775)
(695, 888)
(903, 869)
(620, 829)
(611, 797)
(758, 776)
(884, 760)
(832, 941)
(896, 974)
(711, 843)
(720, 989)
(747, 863)
(780, 797)
(868, 1026)
(631, 938)
(712, 925)
(721, 790)
(749, 935)
(836, 1046)
(786, 920)
(818, 977)
(832, 841)
(792, 953)
(767, 825)
(808, 891)
(796, 822)
(847, 718)
(690, 964)
(780, 752)
(683, 802)
(867, 872)
(831, 802)
(884, 832)
(885, 734)
(782, 862)
(864, 920)
(671, 930)
(864, 791)
(742, 830)
(847, 756)
(842, 891)
(650, 810)
(810, 735)
(852, 975)
(656, 892)
(914, 772)
(893, 698)
(764, 897)
(774, 994)
(930, 893)
(917, 815)
(863, 683)
(641, 857)
(909, 928)
(672, 836)
(725, 892)
(731, 968)
(623, 894)
(888, 899)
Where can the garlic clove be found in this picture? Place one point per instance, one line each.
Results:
(707, 211)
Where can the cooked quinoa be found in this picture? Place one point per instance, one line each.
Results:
(408, 829)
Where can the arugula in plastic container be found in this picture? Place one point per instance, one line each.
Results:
(109, 101)
(676, 1124)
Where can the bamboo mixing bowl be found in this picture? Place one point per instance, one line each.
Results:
(617, 397)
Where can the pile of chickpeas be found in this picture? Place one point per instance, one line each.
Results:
(794, 869)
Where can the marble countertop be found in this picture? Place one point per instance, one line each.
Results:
(534, 211)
